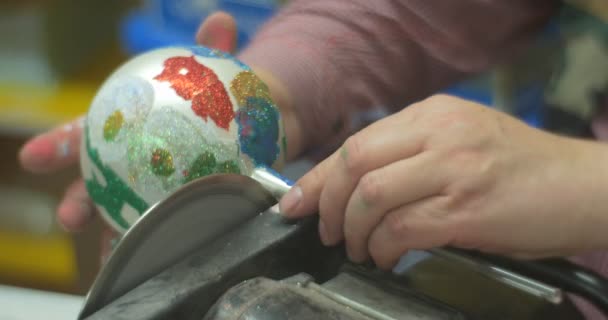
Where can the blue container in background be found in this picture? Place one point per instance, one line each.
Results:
(527, 97)
(160, 23)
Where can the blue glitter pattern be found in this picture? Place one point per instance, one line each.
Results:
(258, 123)
(214, 53)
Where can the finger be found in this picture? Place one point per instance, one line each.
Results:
(385, 189)
(420, 225)
(374, 147)
(303, 198)
(219, 32)
(53, 150)
(76, 209)
(296, 203)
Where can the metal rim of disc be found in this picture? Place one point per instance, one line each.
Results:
(154, 217)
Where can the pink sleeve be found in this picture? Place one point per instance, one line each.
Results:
(339, 56)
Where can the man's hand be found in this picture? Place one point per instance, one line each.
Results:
(450, 172)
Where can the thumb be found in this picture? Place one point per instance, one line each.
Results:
(303, 198)
(218, 31)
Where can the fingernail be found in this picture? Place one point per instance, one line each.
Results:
(323, 233)
(208, 39)
(220, 37)
(290, 201)
(214, 33)
(71, 126)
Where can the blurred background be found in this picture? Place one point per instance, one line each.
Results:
(53, 57)
(54, 54)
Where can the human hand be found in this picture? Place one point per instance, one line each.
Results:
(59, 148)
(446, 171)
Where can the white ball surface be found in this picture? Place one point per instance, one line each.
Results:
(169, 116)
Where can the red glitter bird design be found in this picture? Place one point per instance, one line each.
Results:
(193, 81)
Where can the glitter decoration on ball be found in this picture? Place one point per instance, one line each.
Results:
(168, 117)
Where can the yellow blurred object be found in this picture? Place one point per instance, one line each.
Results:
(42, 260)
(32, 108)
(48, 259)
(54, 56)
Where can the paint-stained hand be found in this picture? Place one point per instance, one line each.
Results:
(59, 148)
(446, 171)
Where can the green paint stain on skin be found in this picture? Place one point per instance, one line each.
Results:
(162, 163)
(363, 206)
(344, 152)
(116, 193)
(112, 126)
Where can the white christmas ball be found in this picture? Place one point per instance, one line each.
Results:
(169, 116)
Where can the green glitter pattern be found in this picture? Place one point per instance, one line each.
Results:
(115, 194)
(183, 137)
(206, 164)
(228, 167)
(202, 166)
(162, 163)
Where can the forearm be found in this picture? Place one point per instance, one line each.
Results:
(589, 187)
(334, 57)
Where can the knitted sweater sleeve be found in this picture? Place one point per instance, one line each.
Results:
(337, 57)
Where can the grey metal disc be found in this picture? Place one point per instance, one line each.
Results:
(196, 214)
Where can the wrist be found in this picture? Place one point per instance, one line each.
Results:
(591, 177)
